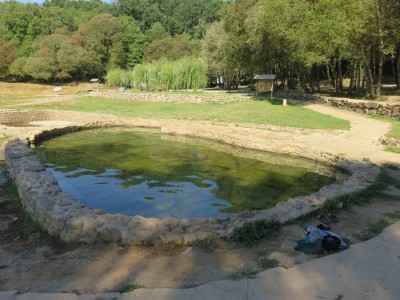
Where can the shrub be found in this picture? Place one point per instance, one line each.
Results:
(362, 196)
(251, 233)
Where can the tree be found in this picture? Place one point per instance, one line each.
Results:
(58, 58)
(39, 68)
(15, 18)
(134, 42)
(212, 49)
(102, 39)
(7, 56)
(171, 48)
(131, 8)
(323, 37)
(373, 34)
(156, 32)
(186, 15)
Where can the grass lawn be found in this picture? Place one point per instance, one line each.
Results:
(394, 132)
(257, 111)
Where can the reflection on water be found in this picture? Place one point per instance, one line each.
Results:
(153, 175)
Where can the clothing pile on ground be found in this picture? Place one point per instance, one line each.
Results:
(320, 238)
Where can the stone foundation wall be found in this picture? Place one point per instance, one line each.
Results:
(64, 217)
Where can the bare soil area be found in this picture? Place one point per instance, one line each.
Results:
(37, 262)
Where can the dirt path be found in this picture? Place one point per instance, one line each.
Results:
(361, 141)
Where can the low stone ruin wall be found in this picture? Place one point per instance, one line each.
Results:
(14, 117)
(164, 97)
(365, 107)
(65, 218)
(359, 106)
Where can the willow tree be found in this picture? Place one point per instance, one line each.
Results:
(190, 73)
(166, 74)
(185, 73)
(140, 76)
(119, 77)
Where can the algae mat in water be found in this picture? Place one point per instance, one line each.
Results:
(153, 175)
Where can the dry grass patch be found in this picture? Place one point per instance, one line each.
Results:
(16, 89)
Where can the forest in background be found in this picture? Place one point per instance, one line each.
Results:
(303, 42)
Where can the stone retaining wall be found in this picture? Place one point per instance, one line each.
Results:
(63, 217)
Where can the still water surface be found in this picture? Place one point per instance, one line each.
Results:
(137, 172)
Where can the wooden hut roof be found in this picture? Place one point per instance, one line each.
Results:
(265, 76)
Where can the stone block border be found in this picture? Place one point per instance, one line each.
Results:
(65, 218)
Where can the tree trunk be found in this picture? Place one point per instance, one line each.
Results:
(352, 75)
(318, 80)
(358, 70)
(328, 73)
(396, 66)
(333, 70)
(381, 50)
(368, 73)
(285, 77)
(339, 76)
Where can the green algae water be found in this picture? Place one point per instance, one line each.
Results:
(140, 172)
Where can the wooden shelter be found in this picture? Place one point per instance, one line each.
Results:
(264, 83)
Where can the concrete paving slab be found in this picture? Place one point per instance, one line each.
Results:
(100, 296)
(46, 296)
(6, 295)
(369, 270)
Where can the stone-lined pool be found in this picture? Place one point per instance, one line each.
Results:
(142, 172)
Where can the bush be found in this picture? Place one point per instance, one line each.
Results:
(251, 233)
(359, 197)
